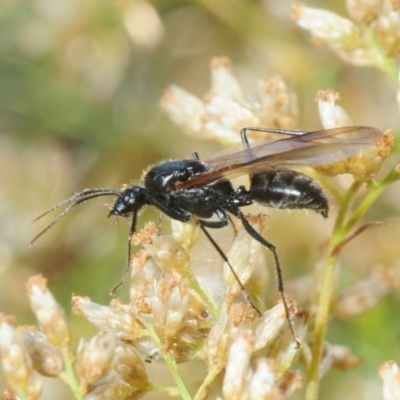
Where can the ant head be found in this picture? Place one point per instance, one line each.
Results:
(130, 200)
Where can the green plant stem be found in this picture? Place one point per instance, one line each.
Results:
(69, 374)
(341, 230)
(22, 395)
(384, 62)
(194, 284)
(171, 391)
(170, 361)
(202, 392)
(345, 204)
(375, 192)
(321, 320)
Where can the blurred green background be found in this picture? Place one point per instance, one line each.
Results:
(80, 85)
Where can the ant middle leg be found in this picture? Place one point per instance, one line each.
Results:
(255, 235)
(245, 141)
(220, 224)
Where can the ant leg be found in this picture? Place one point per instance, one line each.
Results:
(255, 235)
(172, 212)
(245, 141)
(216, 225)
(235, 231)
(128, 265)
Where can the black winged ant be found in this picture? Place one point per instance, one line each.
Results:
(192, 188)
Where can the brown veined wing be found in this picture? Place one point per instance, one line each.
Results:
(317, 148)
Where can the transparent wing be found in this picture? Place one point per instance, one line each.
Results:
(312, 149)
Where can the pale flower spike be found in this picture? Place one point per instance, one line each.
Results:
(94, 357)
(16, 363)
(225, 110)
(366, 294)
(241, 381)
(341, 34)
(331, 114)
(50, 315)
(387, 27)
(46, 358)
(365, 165)
(379, 19)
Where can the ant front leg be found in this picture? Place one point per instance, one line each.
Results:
(220, 224)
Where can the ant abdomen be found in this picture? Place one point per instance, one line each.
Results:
(288, 189)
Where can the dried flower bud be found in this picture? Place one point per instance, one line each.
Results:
(226, 110)
(143, 273)
(237, 367)
(223, 82)
(49, 313)
(330, 113)
(46, 358)
(240, 381)
(219, 340)
(243, 258)
(339, 357)
(366, 294)
(225, 118)
(113, 388)
(263, 383)
(268, 326)
(387, 27)
(339, 33)
(185, 110)
(364, 11)
(170, 305)
(184, 233)
(390, 374)
(130, 366)
(17, 366)
(107, 318)
(279, 104)
(290, 382)
(94, 357)
(368, 162)
(168, 255)
(286, 351)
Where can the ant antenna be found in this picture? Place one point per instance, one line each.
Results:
(75, 200)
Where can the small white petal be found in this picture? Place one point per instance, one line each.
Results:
(331, 114)
(223, 82)
(390, 374)
(238, 370)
